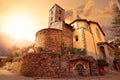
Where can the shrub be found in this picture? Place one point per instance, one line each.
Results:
(77, 51)
(102, 63)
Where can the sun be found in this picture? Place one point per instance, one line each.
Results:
(19, 25)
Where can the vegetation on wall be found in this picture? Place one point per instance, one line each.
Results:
(116, 21)
(16, 54)
(117, 55)
(77, 51)
(116, 27)
(102, 63)
(15, 58)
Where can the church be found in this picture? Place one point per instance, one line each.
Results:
(80, 33)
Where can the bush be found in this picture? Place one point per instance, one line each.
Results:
(102, 63)
(77, 51)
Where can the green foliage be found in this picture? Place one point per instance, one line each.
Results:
(102, 63)
(17, 54)
(116, 21)
(117, 55)
(77, 51)
(117, 52)
(117, 58)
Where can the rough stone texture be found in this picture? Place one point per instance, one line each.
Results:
(85, 65)
(49, 39)
(56, 14)
(52, 65)
(43, 65)
(67, 34)
(54, 40)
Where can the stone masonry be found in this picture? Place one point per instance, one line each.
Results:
(55, 65)
(54, 40)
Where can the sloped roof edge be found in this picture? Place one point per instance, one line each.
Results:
(98, 26)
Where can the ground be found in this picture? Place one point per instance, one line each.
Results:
(7, 75)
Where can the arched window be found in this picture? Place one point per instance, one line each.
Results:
(76, 38)
(103, 52)
(80, 69)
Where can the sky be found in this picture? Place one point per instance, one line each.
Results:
(21, 19)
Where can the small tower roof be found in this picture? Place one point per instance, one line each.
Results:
(57, 6)
(77, 17)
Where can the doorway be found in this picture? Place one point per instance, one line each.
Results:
(102, 49)
(80, 69)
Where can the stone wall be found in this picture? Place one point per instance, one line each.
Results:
(53, 65)
(67, 34)
(49, 39)
(44, 65)
(54, 40)
(84, 72)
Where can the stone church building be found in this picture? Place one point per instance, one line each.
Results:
(80, 33)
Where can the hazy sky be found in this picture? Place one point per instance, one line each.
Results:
(22, 18)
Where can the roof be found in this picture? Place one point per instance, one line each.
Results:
(77, 17)
(98, 26)
(105, 43)
(68, 25)
(47, 29)
(57, 6)
(83, 58)
(89, 23)
(79, 20)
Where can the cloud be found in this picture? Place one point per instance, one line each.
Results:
(85, 10)
(103, 13)
(108, 11)
(88, 8)
(69, 14)
(8, 41)
(91, 12)
(80, 9)
(3, 50)
(108, 31)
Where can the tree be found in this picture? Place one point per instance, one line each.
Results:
(116, 21)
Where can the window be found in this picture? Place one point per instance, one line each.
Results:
(51, 12)
(59, 18)
(76, 38)
(102, 49)
(51, 18)
(59, 11)
(98, 34)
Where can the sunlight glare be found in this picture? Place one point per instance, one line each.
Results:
(18, 25)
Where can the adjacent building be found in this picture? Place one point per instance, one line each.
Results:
(80, 33)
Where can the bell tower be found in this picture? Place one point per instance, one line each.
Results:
(56, 14)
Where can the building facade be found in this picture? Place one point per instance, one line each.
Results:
(58, 35)
(80, 33)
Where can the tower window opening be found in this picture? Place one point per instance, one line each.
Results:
(51, 12)
(76, 38)
(59, 18)
(51, 18)
(59, 11)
